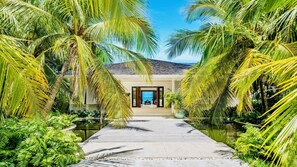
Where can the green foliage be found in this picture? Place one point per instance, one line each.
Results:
(23, 85)
(254, 44)
(250, 148)
(61, 121)
(86, 113)
(62, 101)
(250, 142)
(253, 117)
(173, 98)
(82, 37)
(34, 143)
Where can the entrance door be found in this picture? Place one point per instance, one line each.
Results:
(147, 96)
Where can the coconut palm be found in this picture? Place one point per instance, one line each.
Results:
(280, 67)
(233, 44)
(281, 123)
(23, 85)
(82, 34)
(223, 46)
(255, 41)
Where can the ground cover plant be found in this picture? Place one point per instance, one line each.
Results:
(37, 143)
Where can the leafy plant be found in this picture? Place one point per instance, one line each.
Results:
(250, 147)
(253, 117)
(86, 113)
(173, 98)
(61, 121)
(34, 143)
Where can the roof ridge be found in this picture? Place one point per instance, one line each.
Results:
(150, 60)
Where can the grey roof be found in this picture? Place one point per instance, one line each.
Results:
(159, 68)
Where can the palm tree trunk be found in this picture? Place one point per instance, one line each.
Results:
(101, 119)
(59, 80)
(263, 95)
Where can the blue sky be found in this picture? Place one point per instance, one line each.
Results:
(166, 16)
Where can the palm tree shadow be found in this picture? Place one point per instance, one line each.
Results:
(108, 163)
(101, 150)
(137, 128)
(105, 155)
(91, 138)
(103, 163)
(182, 125)
(224, 152)
(190, 131)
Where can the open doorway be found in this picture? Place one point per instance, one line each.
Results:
(147, 96)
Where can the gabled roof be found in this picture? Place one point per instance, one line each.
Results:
(159, 68)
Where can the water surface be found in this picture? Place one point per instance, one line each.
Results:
(227, 133)
(85, 129)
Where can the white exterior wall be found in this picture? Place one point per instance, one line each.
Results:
(169, 82)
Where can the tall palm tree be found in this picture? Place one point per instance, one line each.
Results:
(82, 34)
(223, 46)
(255, 40)
(233, 44)
(280, 67)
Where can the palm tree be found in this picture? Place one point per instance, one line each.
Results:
(23, 85)
(223, 46)
(280, 67)
(254, 41)
(82, 34)
(227, 47)
(281, 124)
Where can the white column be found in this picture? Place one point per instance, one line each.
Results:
(173, 90)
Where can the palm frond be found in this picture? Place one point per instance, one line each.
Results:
(204, 9)
(185, 40)
(26, 18)
(242, 81)
(202, 87)
(132, 32)
(135, 61)
(110, 93)
(282, 121)
(120, 8)
(23, 84)
(82, 62)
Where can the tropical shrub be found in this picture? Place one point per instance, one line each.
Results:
(249, 147)
(61, 121)
(250, 142)
(173, 98)
(254, 117)
(86, 113)
(34, 143)
(62, 101)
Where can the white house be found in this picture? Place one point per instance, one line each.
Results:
(146, 98)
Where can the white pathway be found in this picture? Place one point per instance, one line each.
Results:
(156, 141)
